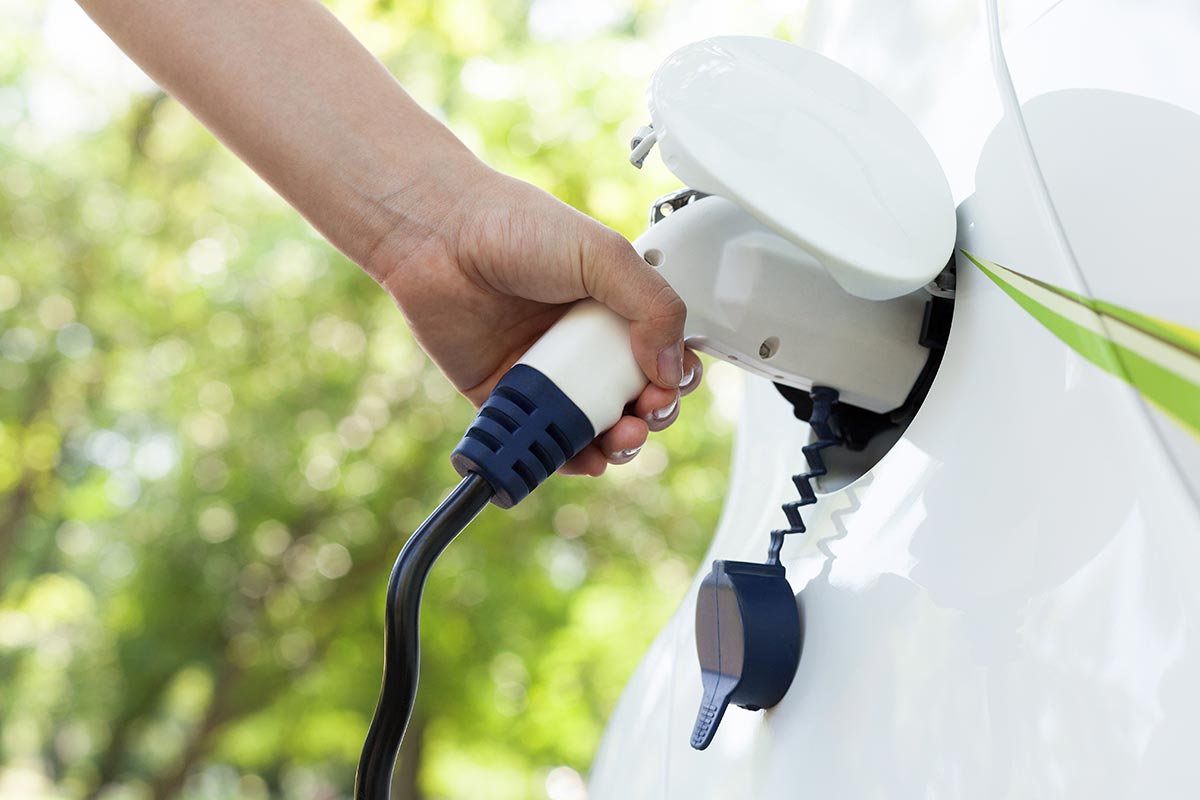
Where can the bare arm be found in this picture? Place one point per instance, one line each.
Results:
(285, 86)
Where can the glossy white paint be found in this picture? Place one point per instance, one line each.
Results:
(1006, 605)
(1146, 136)
(813, 151)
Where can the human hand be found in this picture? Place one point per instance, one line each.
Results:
(484, 264)
(480, 264)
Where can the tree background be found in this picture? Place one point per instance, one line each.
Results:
(215, 434)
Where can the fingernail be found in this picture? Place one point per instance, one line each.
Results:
(688, 377)
(670, 364)
(659, 414)
(621, 456)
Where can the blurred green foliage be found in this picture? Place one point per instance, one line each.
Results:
(215, 434)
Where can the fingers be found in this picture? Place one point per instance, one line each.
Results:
(623, 441)
(659, 407)
(618, 445)
(590, 461)
(654, 410)
(617, 276)
(693, 371)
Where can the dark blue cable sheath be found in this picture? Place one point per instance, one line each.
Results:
(527, 430)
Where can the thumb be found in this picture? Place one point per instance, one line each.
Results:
(618, 277)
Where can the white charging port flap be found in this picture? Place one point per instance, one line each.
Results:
(811, 150)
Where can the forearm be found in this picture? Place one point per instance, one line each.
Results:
(292, 92)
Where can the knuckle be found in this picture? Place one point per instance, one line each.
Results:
(667, 306)
(610, 241)
(596, 247)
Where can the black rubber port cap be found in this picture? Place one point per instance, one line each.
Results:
(748, 638)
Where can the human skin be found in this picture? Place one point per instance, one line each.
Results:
(479, 263)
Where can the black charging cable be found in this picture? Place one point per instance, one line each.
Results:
(401, 644)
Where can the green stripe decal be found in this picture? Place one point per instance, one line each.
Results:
(1160, 359)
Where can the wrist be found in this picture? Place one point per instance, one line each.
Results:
(421, 208)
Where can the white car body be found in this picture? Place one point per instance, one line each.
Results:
(1003, 605)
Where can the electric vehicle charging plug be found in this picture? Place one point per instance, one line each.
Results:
(528, 428)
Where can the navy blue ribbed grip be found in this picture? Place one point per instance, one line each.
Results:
(525, 431)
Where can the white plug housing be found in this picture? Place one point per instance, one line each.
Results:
(587, 355)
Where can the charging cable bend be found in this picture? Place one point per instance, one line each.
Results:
(401, 646)
(528, 428)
